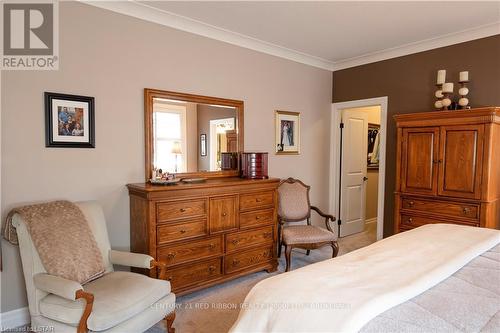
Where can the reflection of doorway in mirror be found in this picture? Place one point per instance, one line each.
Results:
(169, 126)
(219, 129)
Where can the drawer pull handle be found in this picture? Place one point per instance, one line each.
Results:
(411, 203)
(171, 255)
(267, 234)
(169, 278)
(258, 199)
(410, 220)
(466, 210)
(257, 217)
(224, 214)
(236, 262)
(183, 231)
(211, 269)
(235, 241)
(183, 210)
(211, 246)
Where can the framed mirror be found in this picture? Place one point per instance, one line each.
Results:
(192, 135)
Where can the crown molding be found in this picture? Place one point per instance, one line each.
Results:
(155, 15)
(179, 22)
(420, 46)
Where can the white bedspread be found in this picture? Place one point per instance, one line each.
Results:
(343, 294)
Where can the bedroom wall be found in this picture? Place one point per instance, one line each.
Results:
(409, 84)
(113, 58)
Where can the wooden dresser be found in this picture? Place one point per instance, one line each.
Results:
(206, 233)
(448, 168)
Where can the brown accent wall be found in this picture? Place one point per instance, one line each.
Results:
(409, 84)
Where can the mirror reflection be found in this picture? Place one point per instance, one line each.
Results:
(194, 137)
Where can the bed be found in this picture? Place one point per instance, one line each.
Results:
(449, 283)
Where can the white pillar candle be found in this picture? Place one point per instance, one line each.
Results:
(463, 76)
(448, 87)
(441, 76)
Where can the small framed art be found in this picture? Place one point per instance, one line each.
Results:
(287, 134)
(203, 144)
(69, 121)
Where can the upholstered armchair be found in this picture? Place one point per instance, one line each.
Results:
(119, 301)
(294, 206)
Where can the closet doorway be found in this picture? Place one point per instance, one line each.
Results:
(357, 166)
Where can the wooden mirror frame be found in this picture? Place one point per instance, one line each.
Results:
(150, 94)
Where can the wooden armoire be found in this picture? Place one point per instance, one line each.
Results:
(448, 168)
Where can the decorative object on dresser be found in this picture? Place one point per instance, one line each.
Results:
(69, 121)
(229, 161)
(254, 165)
(294, 206)
(463, 91)
(206, 233)
(287, 134)
(447, 168)
(441, 78)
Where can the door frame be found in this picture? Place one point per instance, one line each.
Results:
(334, 187)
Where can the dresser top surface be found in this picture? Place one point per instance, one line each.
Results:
(211, 182)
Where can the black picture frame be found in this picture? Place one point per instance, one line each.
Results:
(203, 144)
(51, 138)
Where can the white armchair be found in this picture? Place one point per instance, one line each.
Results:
(116, 302)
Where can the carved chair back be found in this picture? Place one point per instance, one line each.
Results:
(293, 201)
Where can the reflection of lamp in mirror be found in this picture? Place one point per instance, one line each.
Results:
(176, 149)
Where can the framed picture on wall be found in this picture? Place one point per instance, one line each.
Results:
(373, 146)
(287, 132)
(69, 121)
(203, 144)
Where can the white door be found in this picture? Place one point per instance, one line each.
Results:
(353, 176)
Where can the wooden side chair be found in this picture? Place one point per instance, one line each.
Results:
(295, 206)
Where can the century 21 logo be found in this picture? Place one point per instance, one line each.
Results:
(28, 29)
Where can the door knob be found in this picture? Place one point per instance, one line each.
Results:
(365, 179)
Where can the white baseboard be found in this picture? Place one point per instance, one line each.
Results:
(14, 318)
(372, 220)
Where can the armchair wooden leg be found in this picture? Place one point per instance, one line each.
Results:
(335, 247)
(170, 321)
(288, 254)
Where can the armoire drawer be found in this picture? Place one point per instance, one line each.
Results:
(191, 274)
(256, 218)
(174, 210)
(256, 200)
(174, 232)
(242, 260)
(240, 240)
(414, 221)
(454, 209)
(194, 250)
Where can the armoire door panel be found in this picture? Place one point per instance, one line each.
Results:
(461, 154)
(419, 157)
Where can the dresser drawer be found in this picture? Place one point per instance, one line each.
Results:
(174, 210)
(411, 221)
(256, 218)
(240, 240)
(173, 232)
(193, 250)
(453, 209)
(194, 273)
(223, 214)
(239, 261)
(256, 200)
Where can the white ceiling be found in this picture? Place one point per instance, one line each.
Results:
(328, 34)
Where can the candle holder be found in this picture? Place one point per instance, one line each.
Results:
(463, 92)
(446, 101)
(439, 95)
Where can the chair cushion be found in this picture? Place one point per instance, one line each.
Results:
(293, 201)
(303, 234)
(118, 296)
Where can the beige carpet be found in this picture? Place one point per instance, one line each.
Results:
(215, 309)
